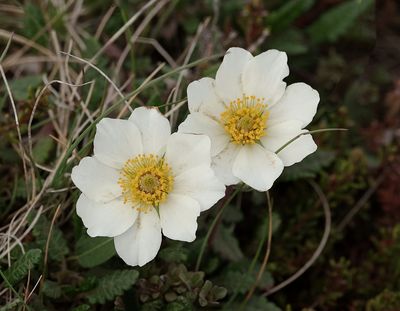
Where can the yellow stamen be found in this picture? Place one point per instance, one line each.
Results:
(245, 119)
(145, 181)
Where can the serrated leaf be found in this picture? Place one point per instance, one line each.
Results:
(287, 13)
(57, 244)
(309, 167)
(20, 268)
(226, 244)
(334, 23)
(238, 282)
(113, 285)
(242, 267)
(92, 252)
(175, 253)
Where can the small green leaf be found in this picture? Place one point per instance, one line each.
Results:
(57, 244)
(51, 289)
(287, 13)
(180, 304)
(226, 244)
(34, 22)
(175, 253)
(291, 41)
(42, 149)
(92, 252)
(81, 308)
(238, 282)
(334, 23)
(259, 303)
(309, 167)
(22, 88)
(20, 268)
(113, 285)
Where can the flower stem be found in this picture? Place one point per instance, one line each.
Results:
(213, 224)
(320, 247)
(267, 253)
(309, 132)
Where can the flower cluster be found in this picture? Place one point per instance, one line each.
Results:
(143, 181)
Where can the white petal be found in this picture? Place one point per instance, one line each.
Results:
(105, 219)
(141, 242)
(263, 76)
(153, 126)
(299, 102)
(97, 181)
(178, 217)
(222, 164)
(116, 141)
(201, 184)
(185, 151)
(279, 134)
(198, 123)
(202, 98)
(228, 79)
(257, 167)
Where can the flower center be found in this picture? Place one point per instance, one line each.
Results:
(145, 181)
(245, 119)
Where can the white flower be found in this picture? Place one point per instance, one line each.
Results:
(249, 113)
(142, 180)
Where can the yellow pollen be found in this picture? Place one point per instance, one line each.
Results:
(145, 181)
(245, 119)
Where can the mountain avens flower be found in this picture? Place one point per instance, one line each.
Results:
(142, 181)
(249, 113)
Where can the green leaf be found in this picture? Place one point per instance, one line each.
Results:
(309, 167)
(291, 41)
(287, 13)
(180, 304)
(113, 285)
(155, 305)
(51, 289)
(94, 251)
(238, 282)
(22, 88)
(81, 308)
(42, 149)
(57, 244)
(34, 22)
(20, 268)
(259, 303)
(175, 253)
(334, 23)
(226, 244)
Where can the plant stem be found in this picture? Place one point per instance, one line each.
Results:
(309, 132)
(267, 253)
(213, 224)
